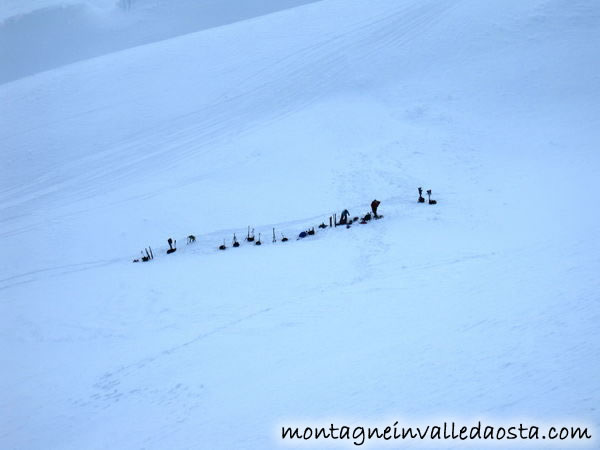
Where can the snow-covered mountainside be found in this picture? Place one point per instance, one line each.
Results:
(39, 35)
(484, 305)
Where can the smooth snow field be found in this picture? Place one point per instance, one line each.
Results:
(277, 115)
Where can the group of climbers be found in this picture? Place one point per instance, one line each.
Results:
(345, 216)
(344, 220)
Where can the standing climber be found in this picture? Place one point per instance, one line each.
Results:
(374, 205)
(344, 217)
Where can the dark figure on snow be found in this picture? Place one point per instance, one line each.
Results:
(374, 205)
(344, 217)
(431, 202)
(172, 246)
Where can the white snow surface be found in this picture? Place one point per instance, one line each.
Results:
(484, 305)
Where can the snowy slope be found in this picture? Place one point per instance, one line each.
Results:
(485, 305)
(39, 35)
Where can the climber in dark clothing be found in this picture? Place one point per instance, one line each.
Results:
(344, 217)
(374, 205)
